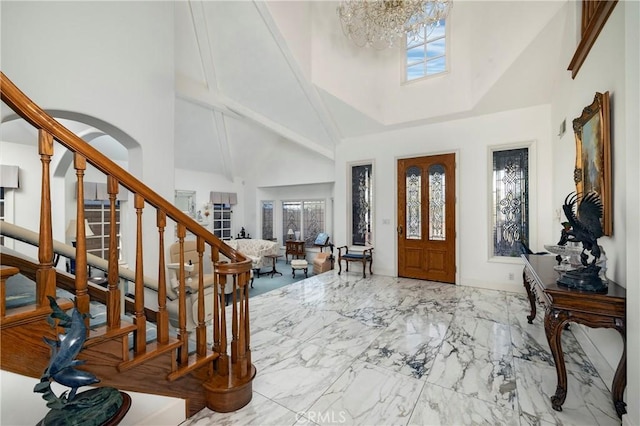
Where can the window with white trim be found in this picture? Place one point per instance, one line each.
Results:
(426, 55)
(222, 221)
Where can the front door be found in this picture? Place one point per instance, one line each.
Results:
(426, 218)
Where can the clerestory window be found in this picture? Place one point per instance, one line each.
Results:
(426, 55)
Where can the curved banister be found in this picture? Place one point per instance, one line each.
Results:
(32, 113)
(229, 384)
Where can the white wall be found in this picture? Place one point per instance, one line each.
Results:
(612, 65)
(632, 195)
(50, 51)
(203, 183)
(21, 406)
(470, 139)
(26, 209)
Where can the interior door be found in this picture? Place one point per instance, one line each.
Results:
(426, 218)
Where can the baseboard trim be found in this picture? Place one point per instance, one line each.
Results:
(511, 286)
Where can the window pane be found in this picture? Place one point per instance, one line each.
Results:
(291, 217)
(411, 42)
(416, 54)
(414, 203)
(267, 220)
(419, 55)
(438, 31)
(361, 198)
(415, 71)
(510, 200)
(313, 220)
(437, 188)
(436, 66)
(222, 220)
(97, 213)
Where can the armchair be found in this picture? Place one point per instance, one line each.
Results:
(365, 256)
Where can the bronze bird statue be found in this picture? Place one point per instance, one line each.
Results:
(583, 215)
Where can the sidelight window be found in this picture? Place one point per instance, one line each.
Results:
(362, 204)
(510, 205)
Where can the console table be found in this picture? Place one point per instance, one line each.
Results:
(564, 305)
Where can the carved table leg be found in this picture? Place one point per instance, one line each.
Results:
(532, 299)
(554, 321)
(620, 378)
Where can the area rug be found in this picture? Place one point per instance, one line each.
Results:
(267, 283)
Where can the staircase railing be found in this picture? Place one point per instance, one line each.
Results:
(227, 379)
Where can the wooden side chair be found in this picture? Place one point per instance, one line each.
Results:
(364, 257)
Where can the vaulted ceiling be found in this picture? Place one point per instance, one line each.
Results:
(251, 76)
(256, 78)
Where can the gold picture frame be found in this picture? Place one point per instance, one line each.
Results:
(593, 155)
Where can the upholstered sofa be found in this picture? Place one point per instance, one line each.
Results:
(256, 250)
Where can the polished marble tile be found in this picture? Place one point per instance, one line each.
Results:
(441, 406)
(300, 375)
(487, 304)
(476, 373)
(410, 343)
(588, 401)
(366, 395)
(259, 411)
(346, 336)
(340, 349)
(481, 334)
(530, 343)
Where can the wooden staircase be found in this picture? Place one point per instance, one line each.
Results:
(217, 375)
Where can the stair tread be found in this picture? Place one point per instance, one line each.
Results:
(153, 350)
(195, 362)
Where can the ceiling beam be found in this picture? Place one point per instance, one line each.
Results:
(307, 87)
(197, 94)
(204, 47)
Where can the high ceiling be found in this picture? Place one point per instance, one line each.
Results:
(257, 78)
(250, 75)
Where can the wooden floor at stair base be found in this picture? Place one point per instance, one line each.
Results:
(229, 393)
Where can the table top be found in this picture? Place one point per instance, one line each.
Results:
(542, 267)
(273, 256)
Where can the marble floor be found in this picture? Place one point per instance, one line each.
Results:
(340, 349)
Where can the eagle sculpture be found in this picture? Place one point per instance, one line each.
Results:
(583, 215)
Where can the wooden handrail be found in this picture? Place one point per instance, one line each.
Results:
(28, 110)
(228, 386)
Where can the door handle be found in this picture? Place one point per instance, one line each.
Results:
(399, 229)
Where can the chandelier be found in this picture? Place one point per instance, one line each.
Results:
(381, 23)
